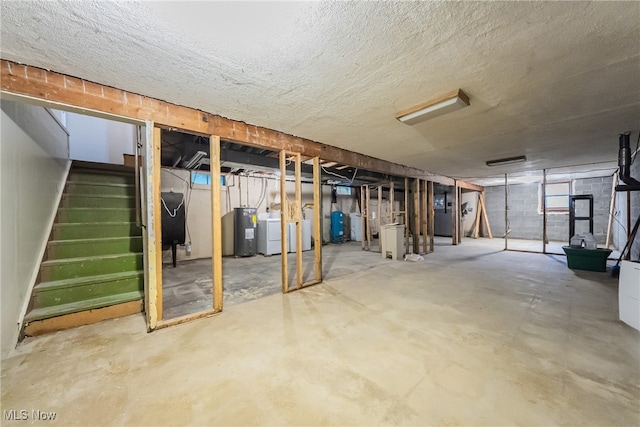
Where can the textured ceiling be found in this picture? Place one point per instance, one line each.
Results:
(555, 81)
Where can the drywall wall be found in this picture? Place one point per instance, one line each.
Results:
(525, 219)
(33, 172)
(620, 214)
(99, 140)
(240, 191)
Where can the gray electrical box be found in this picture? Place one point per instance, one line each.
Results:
(244, 231)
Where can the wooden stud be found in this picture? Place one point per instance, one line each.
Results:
(379, 220)
(216, 221)
(406, 215)
(157, 212)
(37, 85)
(284, 217)
(363, 215)
(612, 205)
(431, 210)
(416, 216)
(484, 215)
(476, 224)
(298, 206)
(627, 257)
(368, 204)
(149, 236)
(425, 217)
(506, 212)
(317, 219)
(186, 318)
(455, 207)
(544, 211)
(459, 231)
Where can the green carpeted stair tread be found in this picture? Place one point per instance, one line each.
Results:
(79, 281)
(72, 248)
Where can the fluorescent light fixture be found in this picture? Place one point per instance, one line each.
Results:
(507, 161)
(435, 107)
(195, 159)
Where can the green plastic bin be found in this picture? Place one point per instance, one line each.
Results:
(587, 259)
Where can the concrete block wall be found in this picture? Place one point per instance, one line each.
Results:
(525, 221)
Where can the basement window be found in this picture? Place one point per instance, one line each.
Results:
(557, 196)
(203, 179)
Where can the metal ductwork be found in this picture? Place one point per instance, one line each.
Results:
(624, 165)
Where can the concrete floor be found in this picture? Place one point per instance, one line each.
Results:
(469, 336)
(187, 288)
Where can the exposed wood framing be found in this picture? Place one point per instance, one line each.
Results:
(612, 206)
(157, 211)
(459, 215)
(416, 216)
(544, 211)
(379, 219)
(406, 215)
(68, 92)
(425, 217)
(186, 318)
(284, 216)
(431, 212)
(216, 221)
(506, 212)
(455, 219)
(368, 202)
(363, 215)
(298, 219)
(317, 219)
(481, 215)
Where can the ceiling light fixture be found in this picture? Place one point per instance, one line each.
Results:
(435, 107)
(506, 161)
(195, 159)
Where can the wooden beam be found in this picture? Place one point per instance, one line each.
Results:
(284, 217)
(612, 205)
(368, 203)
(431, 210)
(484, 215)
(406, 215)
(149, 236)
(157, 212)
(71, 93)
(425, 217)
(216, 221)
(379, 219)
(416, 216)
(363, 213)
(317, 219)
(544, 211)
(298, 218)
(455, 207)
(476, 224)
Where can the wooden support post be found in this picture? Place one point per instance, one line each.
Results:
(416, 215)
(284, 215)
(506, 212)
(368, 203)
(484, 214)
(476, 224)
(544, 211)
(216, 221)
(628, 254)
(455, 208)
(363, 215)
(379, 220)
(424, 216)
(317, 219)
(459, 232)
(406, 214)
(298, 219)
(151, 214)
(391, 201)
(612, 205)
(431, 213)
(157, 211)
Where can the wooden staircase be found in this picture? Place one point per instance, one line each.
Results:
(92, 268)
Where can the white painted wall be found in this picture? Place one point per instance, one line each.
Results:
(99, 140)
(33, 171)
